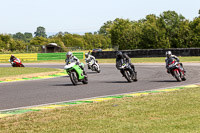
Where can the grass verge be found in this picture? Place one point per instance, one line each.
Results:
(195, 59)
(16, 71)
(176, 111)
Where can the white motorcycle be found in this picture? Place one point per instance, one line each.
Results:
(93, 65)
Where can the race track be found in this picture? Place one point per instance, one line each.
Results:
(108, 82)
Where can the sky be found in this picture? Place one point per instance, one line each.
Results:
(80, 16)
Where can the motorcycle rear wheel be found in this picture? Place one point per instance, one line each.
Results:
(183, 78)
(85, 80)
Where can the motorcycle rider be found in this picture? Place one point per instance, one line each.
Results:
(124, 58)
(88, 58)
(169, 57)
(71, 58)
(12, 58)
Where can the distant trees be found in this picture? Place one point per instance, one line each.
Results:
(40, 32)
(28, 36)
(168, 30)
(195, 32)
(25, 37)
(106, 28)
(4, 41)
(121, 33)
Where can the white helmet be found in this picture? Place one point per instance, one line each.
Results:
(168, 54)
(69, 54)
(86, 55)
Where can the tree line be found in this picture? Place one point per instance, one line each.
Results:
(26, 42)
(168, 30)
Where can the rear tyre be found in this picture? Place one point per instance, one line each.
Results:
(74, 78)
(85, 80)
(98, 70)
(183, 78)
(177, 75)
(135, 77)
(127, 75)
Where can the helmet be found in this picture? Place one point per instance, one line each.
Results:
(168, 54)
(12, 57)
(119, 54)
(69, 54)
(86, 55)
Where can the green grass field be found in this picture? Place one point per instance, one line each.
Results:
(153, 60)
(168, 112)
(16, 71)
(195, 59)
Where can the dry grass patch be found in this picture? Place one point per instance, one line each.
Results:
(173, 112)
(27, 72)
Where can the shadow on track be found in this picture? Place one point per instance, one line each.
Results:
(63, 85)
(164, 81)
(92, 73)
(119, 82)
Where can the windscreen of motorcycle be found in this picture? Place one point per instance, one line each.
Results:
(69, 65)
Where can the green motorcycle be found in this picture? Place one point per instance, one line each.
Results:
(75, 73)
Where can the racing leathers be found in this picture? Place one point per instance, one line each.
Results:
(89, 59)
(168, 59)
(12, 58)
(124, 59)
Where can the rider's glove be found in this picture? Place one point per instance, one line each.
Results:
(77, 63)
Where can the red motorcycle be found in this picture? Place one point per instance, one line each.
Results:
(176, 69)
(17, 63)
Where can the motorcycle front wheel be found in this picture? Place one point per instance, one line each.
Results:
(177, 75)
(97, 69)
(127, 75)
(74, 78)
(22, 65)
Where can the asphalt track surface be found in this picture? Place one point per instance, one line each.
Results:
(108, 82)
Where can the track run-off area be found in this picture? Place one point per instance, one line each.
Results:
(108, 82)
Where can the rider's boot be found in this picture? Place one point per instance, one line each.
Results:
(182, 67)
(89, 67)
(122, 73)
(85, 74)
(184, 70)
(134, 77)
